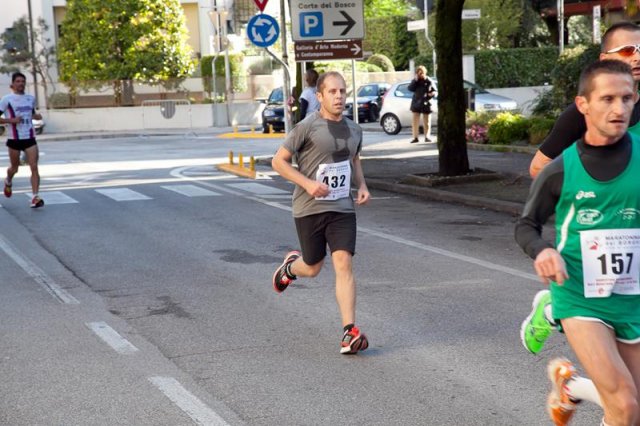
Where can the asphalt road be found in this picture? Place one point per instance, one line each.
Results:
(141, 295)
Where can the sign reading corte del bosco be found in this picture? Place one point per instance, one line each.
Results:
(327, 20)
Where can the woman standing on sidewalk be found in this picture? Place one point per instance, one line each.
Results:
(423, 92)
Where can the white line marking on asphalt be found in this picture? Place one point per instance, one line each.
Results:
(447, 253)
(122, 194)
(389, 237)
(54, 197)
(258, 188)
(191, 190)
(37, 274)
(189, 403)
(112, 337)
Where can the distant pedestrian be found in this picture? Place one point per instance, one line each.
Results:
(308, 99)
(326, 147)
(18, 110)
(423, 91)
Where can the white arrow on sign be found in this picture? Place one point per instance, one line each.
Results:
(257, 36)
(355, 49)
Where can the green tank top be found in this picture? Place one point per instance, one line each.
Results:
(599, 223)
(635, 130)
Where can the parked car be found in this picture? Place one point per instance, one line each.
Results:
(395, 113)
(273, 113)
(38, 126)
(369, 98)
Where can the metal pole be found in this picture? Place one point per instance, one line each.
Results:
(426, 34)
(560, 7)
(285, 61)
(213, 81)
(356, 118)
(286, 89)
(33, 55)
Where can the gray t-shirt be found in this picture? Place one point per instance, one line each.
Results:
(315, 141)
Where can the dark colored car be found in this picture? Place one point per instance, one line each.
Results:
(369, 99)
(273, 113)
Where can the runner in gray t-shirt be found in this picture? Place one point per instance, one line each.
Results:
(326, 147)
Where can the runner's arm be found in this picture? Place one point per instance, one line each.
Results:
(358, 177)
(281, 163)
(569, 127)
(541, 203)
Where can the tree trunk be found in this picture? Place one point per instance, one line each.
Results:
(452, 146)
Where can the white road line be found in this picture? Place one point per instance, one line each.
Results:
(187, 402)
(389, 237)
(191, 190)
(447, 253)
(37, 274)
(258, 189)
(54, 197)
(122, 194)
(112, 337)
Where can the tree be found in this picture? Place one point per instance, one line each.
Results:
(117, 41)
(17, 54)
(498, 24)
(379, 8)
(453, 159)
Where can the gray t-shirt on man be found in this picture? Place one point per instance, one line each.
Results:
(315, 141)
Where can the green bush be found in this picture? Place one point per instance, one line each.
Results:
(539, 128)
(518, 67)
(264, 66)
(381, 61)
(507, 128)
(344, 67)
(481, 118)
(388, 36)
(566, 74)
(238, 74)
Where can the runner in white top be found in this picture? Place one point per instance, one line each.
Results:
(18, 109)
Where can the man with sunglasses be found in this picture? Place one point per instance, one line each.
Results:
(622, 42)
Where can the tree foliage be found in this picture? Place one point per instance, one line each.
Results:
(497, 26)
(111, 40)
(18, 56)
(373, 8)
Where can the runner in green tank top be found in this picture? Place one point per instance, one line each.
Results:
(594, 270)
(620, 42)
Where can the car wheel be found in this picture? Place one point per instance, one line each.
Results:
(265, 128)
(39, 131)
(390, 124)
(373, 113)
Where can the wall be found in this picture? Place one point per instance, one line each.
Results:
(525, 96)
(150, 117)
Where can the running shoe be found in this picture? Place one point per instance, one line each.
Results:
(36, 202)
(280, 278)
(559, 405)
(535, 329)
(7, 188)
(353, 341)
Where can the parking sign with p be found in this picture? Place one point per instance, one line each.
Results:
(311, 24)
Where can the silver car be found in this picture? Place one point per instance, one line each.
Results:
(395, 113)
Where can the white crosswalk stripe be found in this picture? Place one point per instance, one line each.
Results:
(258, 189)
(55, 197)
(122, 194)
(191, 190)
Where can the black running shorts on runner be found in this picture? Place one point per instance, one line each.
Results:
(338, 230)
(21, 144)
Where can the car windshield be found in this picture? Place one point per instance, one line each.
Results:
(276, 96)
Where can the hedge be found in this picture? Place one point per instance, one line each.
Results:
(238, 74)
(389, 36)
(518, 67)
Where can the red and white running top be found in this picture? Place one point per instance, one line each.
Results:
(23, 106)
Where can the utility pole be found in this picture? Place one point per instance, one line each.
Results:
(285, 60)
(33, 55)
(560, 7)
(426, 34)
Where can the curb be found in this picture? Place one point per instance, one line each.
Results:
(447, 196)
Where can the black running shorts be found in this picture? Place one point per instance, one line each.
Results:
(21, 144)
(338, 230)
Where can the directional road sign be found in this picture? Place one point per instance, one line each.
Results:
(263, 30)
(327, 50)
(327, 20)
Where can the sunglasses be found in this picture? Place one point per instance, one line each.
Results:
(625, 51)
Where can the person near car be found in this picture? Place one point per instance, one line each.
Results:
(326, 147)
(308, 99)
(621, 42)
(423, 91)
(18, 110)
